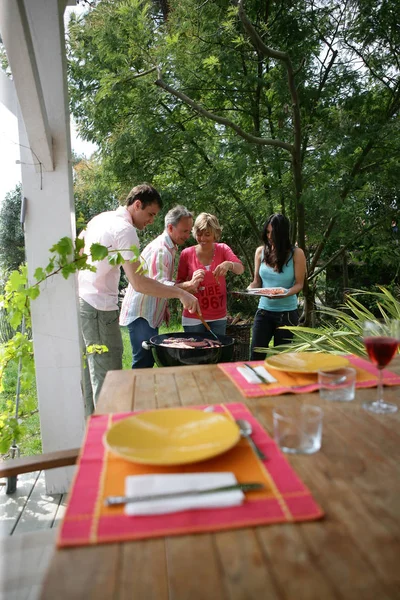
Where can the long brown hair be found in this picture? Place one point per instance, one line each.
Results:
(282, 249)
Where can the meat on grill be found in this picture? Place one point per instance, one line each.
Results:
(189, 343)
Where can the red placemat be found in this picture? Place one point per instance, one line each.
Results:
(100, 474)
(299, 383)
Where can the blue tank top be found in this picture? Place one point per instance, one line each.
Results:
(271, 279)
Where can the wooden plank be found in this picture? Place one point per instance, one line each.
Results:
(290, 559)
(39, 462)
(350, 535)
(166, 390)
(12, 506)
(145, 397)
(148, 559)
(41, 505)
(350, 574)
(246, 573)
(117, 392)
(230, 391)
(188, 390)
(193, 570)
(24, 561)
(92, 572)
(379, 543)
(370, 435)
(210, 391)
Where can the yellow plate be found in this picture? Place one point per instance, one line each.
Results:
(172, 436)
(306, 362)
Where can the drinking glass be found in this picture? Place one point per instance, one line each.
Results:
(298, 429)
(381, 340)
(339, 384)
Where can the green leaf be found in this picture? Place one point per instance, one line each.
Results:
(98, 252)
(39, 274)
(211, 62)
(96, 349)
(16, 281)
(50, 267)
(64, 247)
(79, 245)
(67, 270)
(113, 259)
(136, 253)
(33, 292)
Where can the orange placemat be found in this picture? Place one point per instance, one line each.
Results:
(298, 383)
(100, 474)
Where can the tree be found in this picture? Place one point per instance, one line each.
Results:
(288, 107)
(12, 243)
(95, 189)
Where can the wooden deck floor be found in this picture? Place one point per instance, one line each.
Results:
(30, 508)
(24, 557)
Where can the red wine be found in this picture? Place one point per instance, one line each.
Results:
(381, 349)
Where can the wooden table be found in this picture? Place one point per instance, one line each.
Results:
(353, 553)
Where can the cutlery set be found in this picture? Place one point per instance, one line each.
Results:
(263, 378)
(243, 487)
(266, 377)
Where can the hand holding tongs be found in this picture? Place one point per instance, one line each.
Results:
(206, 325)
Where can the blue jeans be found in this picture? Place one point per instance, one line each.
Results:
(218, 327)
(266, 325)
(140, 331)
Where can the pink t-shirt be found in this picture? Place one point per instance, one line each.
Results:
(211, 293)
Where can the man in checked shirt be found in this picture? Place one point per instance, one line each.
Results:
(144, 314)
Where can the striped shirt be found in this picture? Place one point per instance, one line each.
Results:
(159, 260)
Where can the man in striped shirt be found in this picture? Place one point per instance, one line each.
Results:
(144, 314)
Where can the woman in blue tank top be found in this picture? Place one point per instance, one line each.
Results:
(277, 264)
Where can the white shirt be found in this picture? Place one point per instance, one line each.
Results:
(115, 230)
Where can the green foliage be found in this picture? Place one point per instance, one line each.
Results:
(95, 190)
(12, 243)
(98, 252)
(17, 353)
(340, 331)
(96, 349)
(16, 356)
(347, 79)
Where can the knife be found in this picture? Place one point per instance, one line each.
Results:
(244, 487)
(260, 377)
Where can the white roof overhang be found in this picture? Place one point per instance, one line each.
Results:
(16, 35)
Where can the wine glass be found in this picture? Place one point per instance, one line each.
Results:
(381, 340)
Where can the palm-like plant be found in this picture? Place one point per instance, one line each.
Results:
(340, 331)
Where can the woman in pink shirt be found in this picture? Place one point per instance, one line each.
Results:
(208, 262)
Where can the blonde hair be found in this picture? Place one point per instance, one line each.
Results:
(206, 221)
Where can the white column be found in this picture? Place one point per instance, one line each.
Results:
(49, 217)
